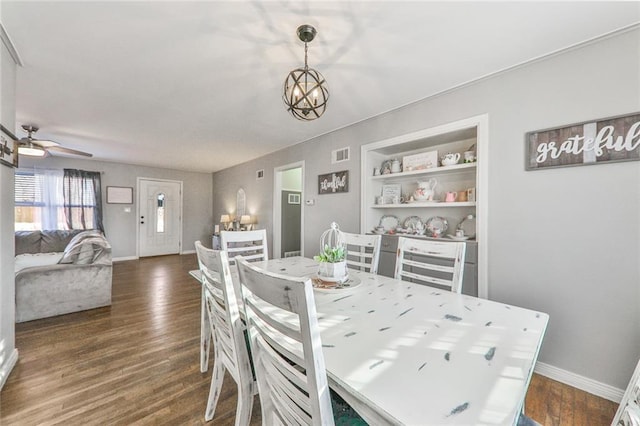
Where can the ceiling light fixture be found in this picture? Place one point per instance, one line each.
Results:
(31, 150)
(305, 89)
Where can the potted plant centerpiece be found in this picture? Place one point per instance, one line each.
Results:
(332, 259)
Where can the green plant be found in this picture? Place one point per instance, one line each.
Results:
(330, 255)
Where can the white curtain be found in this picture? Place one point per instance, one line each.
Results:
(53, 198)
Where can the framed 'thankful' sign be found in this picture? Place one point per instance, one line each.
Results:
(332, 183)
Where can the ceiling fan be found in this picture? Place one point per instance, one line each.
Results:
(41, 147)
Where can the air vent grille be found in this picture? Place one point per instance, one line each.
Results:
(340, 155)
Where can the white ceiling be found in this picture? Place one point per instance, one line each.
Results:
(197, 85)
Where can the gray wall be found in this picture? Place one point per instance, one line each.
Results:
(7, 282)
(120, 227)
(563, 241)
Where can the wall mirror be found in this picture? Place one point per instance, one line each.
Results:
(241, 201)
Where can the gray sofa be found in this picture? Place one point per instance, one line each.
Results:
(63, 272)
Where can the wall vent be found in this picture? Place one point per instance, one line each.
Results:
(294, 198)
(340, 155)
(292, 253)
(259, 174)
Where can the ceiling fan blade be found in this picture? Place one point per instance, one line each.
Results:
(68, 151)
(40, 142)
(45, 143)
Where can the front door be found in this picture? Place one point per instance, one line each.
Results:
(160, 220)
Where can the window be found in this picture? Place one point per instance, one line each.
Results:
(38, 200)
(53, 199)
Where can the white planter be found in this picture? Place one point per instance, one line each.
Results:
(333, 271)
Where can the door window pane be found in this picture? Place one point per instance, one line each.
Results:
(160, 213)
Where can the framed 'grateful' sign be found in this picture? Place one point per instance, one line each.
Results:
(591, 142)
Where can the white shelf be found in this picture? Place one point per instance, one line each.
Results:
(437, 170)
(424, 205)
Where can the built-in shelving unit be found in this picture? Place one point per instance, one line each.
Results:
(443, 170)
(457, 137)
(424, 205)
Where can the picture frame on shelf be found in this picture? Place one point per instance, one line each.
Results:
(391, 191)
(8, 148)
(420, 161)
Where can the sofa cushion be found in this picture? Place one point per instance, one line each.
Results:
(27, 260)
(57, 240)
(28, 242)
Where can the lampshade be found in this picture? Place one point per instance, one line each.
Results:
(305, 89)
(31, 150)
(225, 218)
(245, 219)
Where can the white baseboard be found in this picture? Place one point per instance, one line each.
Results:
(577, 381)
(122, 259)
(188, 252)
(7, 366)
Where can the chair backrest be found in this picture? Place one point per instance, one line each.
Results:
(363, 251)
(252, 245)
(431, 262)
(223, 312)
(628, 413)
(284, 335)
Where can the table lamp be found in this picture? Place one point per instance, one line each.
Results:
(245, 219)
(225, 219)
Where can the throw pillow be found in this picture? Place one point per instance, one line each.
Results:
(73, 249)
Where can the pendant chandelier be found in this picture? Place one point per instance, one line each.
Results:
(305, 89)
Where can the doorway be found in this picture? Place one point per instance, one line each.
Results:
(159, 217)
(288, 210)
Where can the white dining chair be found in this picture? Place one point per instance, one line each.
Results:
(229, 344)
(252, 245)
(363, 251)
(628, 413)
(287, 351)
(439, 263)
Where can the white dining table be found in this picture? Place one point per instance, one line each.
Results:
(404, 353)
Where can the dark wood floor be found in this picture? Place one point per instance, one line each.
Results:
(138, 362)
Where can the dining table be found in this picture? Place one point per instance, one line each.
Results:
(403, 353)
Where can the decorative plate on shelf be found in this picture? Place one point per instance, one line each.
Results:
(413, 223)
(437, 226)
(389, 222)
(468, 225)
